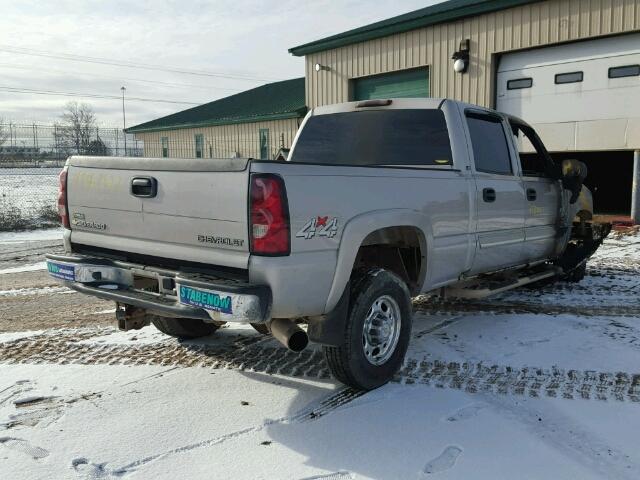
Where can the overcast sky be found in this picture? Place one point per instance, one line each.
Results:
(246, 40)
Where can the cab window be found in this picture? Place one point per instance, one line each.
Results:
(489, 142)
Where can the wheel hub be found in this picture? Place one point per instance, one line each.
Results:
(381, 330)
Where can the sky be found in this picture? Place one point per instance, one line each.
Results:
(214, 49)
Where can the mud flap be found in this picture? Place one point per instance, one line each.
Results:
(329, 329)
(578, 253)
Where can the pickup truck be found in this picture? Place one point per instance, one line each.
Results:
(379, 201)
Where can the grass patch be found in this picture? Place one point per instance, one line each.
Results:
(13, 218)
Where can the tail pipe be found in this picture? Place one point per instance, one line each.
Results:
(289, 334)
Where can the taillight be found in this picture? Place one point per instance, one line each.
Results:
(62, 199)
(268, 216)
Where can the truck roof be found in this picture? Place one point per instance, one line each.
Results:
(402, 103)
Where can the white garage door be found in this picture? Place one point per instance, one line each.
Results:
(579, 96)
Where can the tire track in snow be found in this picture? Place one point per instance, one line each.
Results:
(256, 354)
(552, 382)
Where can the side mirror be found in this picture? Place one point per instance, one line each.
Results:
(573, 168)
(573, 174)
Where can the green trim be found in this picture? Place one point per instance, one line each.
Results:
(263, 118)
(272, 101)
(439, 13)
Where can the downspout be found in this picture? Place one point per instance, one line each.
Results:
(635, 188)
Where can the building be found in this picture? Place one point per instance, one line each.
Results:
(569, 67)
(257, 123)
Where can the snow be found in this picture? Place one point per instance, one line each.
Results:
(21, 292)
(145, 336)
(13, 336)
(25, 268)
(31, 235)
(485, 393)
(162, 423)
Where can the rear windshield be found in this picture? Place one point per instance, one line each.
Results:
(375, 137)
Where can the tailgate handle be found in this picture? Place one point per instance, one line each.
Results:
(146, 187)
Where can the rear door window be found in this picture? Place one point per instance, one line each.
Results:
(375, 137)
(490, 147)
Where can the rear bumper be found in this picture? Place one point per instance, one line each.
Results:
(175, 294)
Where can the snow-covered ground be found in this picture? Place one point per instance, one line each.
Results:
(30, 236)
(533, 384)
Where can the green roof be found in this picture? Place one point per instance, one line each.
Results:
(439, 13)
(273, 101)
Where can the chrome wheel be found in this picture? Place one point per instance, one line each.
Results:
(381, 330)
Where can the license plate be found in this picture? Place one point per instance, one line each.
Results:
(63, 272)
(205, 299)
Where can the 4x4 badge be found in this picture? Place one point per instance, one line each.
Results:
(321, 226)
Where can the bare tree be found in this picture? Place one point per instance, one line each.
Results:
(74, 130)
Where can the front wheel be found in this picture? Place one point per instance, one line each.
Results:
(377, 332)
(577, 274)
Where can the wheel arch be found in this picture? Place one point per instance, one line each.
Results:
(381, 227)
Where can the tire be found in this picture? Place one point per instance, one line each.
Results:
(350, 363)
(184, 327)
(262, 328)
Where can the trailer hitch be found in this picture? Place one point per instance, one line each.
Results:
(130, 317)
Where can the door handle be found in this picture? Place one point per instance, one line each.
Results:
(488, 195)
(531, 194)
(145, 187)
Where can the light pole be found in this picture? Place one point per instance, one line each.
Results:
(124, 122)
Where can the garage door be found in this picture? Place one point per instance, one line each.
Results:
(580, 96)
(405, 84)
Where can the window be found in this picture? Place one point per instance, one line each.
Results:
(518, 83)
(534, 159)
(199, 145)
(264, 144)
(164, 142)
(624, 71)
(375, 137)
(490, 148)
(573, 77)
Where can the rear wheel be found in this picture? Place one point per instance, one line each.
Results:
(185, 327)
(377, 332)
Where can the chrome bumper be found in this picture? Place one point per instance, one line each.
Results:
(175, 294)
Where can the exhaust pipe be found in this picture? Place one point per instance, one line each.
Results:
(289, 334)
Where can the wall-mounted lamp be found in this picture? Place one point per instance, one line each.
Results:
(461, 57)
(322, 67)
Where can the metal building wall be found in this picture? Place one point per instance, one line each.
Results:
(222, 141)
(532, 25)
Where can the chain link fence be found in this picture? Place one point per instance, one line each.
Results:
(31, 158)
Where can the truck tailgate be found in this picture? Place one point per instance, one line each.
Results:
(198, 212)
